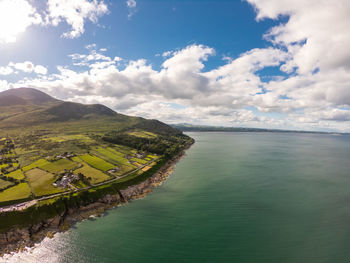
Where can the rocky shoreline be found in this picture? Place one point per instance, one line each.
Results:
(19, 239)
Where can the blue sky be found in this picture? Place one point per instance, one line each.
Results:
(155, 27)
(266, 63)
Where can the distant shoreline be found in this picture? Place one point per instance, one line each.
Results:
(21, 238)
(195, 128)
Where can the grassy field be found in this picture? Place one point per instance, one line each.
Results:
(143, 134)
(4, 184)
(18, 175)
(140, 161)
(3, 165)
(78, 137)
(112, 156)
(41, 182)
(152, 156)
(97, 162)
(96, 175)
(38, 163)
(59, 165)
(19, 191)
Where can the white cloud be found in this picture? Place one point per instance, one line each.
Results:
(6, 71)
(316, 32)
(15, 17)
(75, 13)
(310, 47)
(26, 67)
(40, 70)
(131, 4)
(226, 95)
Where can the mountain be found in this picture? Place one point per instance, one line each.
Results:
(24, 107)
(22, 96)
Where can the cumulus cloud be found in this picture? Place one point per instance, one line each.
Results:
(26, 67)
(311, 91)
(6, 71)
(17, 15)
(74, 13)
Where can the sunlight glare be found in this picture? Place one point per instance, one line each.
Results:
(15, 17)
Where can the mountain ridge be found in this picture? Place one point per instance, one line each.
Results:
(28, 107)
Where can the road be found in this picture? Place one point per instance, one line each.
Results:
(25, 205)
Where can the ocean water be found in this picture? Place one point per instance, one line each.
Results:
(235, 197)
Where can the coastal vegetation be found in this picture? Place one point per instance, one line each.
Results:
(55, 155)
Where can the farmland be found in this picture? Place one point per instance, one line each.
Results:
(4, 184)
(59, 165)
(19, 191)
(17, 175)
(41, 182)
(96, 162)
(95, 175)
(50, 171)
(57, 146)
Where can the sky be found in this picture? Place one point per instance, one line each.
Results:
(240, 63)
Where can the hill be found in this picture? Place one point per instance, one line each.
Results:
(43, 139)
(26, 96)
(25, 107)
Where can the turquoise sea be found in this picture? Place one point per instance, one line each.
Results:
(235, 197)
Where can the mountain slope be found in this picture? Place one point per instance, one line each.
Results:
(70, 110)
(27, 107)
(27, 96)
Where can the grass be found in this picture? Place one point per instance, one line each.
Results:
(112, 156)
(63, 138)
(19, 191)
(121, 149)
(151, 156)
(3, 165)
(143, 134)
(79, 184)
(18, 175)
(141, 161)
(59, 165)
(4, 184)
(41, 182)
(96, 162)
(38, 163)
(96, 175)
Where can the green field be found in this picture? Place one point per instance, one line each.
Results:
(36, 164)
(3, 165)
(141, 161)
(113, 156)
(41, 182)
(96, 175)
(151, 156)
(63, 138)
(18, 175)
(4, 184)
(143, 134)
(100, 138)
(19, 191)
(59, 165)
(96, 162)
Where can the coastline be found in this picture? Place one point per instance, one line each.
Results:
(19, 239)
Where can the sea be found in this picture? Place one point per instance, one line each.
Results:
(234, 197)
